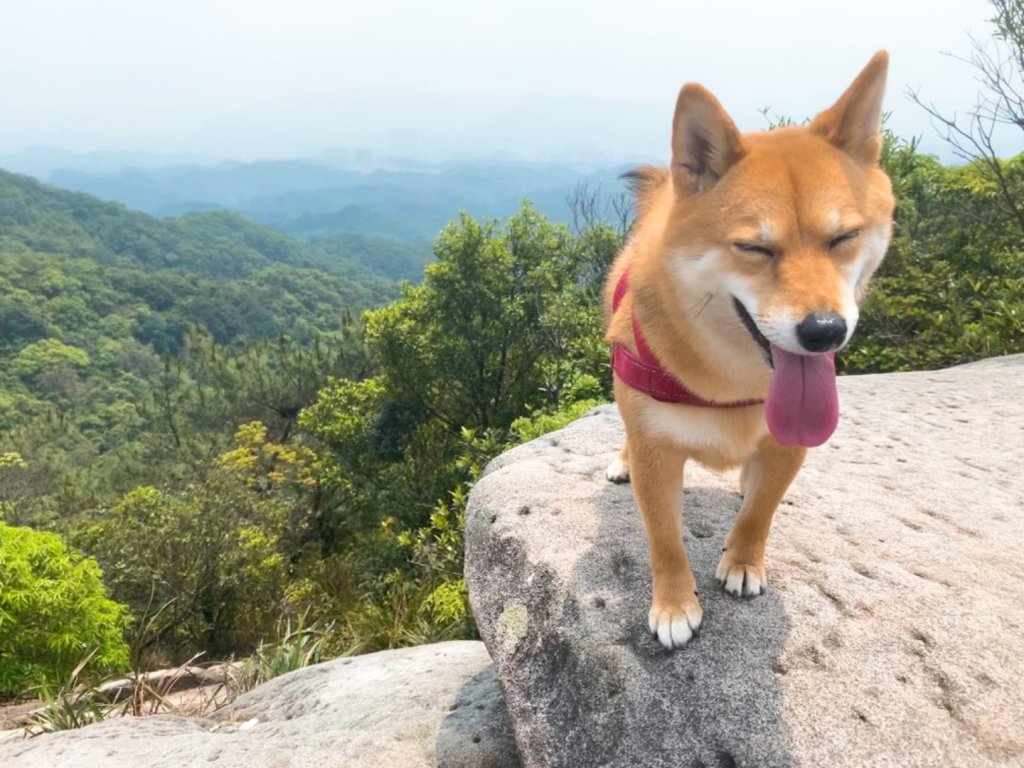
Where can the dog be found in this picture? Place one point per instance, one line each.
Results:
(740, 280)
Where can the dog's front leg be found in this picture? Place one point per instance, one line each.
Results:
(656, 470)
(766, 476)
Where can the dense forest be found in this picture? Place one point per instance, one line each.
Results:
(212, 433)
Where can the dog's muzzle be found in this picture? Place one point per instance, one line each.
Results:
(754, 331)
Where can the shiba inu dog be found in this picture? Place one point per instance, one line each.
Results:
(725, 308)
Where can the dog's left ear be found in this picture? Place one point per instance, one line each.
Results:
(854, 123)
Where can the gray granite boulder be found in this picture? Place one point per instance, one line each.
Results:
(406, 708)
(478, 733)
(891, 634)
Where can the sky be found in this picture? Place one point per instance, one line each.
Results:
(583, 80)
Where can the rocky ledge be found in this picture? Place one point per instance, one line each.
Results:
(891, 632)
(435, 705)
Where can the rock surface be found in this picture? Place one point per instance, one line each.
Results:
(379, 710)
(891, 634)
(478, 733)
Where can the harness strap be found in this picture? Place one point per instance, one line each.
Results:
(644, 373)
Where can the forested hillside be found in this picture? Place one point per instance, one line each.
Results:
(104, 311)
(45, 219)
(371, 258)
(226, 483)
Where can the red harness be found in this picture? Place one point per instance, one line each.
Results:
(644, 373)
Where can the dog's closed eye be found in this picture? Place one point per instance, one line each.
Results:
(843, 238)
(752, 248)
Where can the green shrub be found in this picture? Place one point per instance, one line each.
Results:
(297, 648)
(53, 613)
(71, 705)
(527, 428)
(951, 288)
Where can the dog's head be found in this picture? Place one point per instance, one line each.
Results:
(784, 227)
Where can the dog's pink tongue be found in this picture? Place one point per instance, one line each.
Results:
(802, 406)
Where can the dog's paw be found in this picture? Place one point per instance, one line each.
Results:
(618, 471)
(741, 579)
(675, 625)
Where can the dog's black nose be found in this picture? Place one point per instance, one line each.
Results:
(821, 331)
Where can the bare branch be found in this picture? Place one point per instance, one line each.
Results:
(999, 69)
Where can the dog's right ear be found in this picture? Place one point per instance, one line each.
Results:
(705, 142)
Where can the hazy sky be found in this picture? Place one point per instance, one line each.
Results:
(281, 78)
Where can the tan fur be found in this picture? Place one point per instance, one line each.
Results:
(795, 191)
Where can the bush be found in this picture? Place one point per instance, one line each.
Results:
(208, 567)
(951, 288)
(297, 648)
(54, 612)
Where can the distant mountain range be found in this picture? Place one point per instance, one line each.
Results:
(408, 201)
(70, 260)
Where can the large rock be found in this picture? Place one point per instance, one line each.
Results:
(409, 708)
(891, 633)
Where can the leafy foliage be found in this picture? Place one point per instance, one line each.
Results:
(951, 289)
(72, 704)
(297, 648)
(53, 611)
(997, 114)
(488, 332)
(217, 554)
(131, 348)
(505, 323)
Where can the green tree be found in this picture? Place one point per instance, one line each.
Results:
(483, 337)
(46, 355)
(54, 612)
(207, 568)
(505, 325)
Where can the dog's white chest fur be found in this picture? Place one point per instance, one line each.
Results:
(718, 437)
